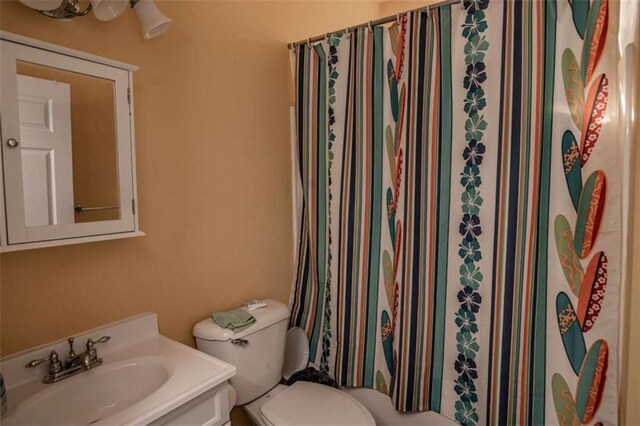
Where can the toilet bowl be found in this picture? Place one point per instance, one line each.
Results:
(258, 352)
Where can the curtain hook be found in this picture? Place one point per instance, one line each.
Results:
(462, 5)
(428, 11)
(370, 27)
(326, 37)
(308, 42)
(398, 18)
(346, 32)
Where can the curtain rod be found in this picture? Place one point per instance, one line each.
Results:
(380, 21)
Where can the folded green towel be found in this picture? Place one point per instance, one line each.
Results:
(236, 320)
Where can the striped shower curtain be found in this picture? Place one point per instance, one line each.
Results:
(460, 241)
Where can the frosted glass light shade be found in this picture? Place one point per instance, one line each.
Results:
(106, 10)
(152, 20)
(42, 4)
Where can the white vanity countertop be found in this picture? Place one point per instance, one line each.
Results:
(191, 372)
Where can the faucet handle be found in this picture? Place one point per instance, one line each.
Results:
(91, 349)
(91, 342)
(53, 355)
(103, 339)
(72, 353)
(55, 366)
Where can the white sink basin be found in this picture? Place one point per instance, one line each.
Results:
(94, 395)
(143, 378)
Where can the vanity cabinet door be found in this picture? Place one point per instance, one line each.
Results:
(208, 409)
(67, 153)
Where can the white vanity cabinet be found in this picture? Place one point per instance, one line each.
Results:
(209, 409)
(68, 152)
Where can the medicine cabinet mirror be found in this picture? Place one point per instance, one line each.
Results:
(68, 162)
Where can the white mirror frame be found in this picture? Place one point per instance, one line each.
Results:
(15, 235)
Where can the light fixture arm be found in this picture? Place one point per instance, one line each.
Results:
(67, 10)
(152, 20)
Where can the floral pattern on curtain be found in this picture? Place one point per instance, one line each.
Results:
(460, 242)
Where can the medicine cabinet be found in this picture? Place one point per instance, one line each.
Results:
(68, 153)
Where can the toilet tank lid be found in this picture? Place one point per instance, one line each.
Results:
(274, 312)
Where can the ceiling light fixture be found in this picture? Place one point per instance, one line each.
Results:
(152, 20)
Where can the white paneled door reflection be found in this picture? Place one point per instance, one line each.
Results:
(45, 130)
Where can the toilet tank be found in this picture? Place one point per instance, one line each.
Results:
(257, 351)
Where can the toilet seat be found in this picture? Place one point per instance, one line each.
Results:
(305, 403)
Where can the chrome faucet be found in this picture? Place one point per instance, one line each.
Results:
(74, 364)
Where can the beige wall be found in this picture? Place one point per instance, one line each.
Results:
(391, 7)
(630, 369)
(630, 386)
(212, 131)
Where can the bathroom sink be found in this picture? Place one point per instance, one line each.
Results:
(144, 378)
(94, 395)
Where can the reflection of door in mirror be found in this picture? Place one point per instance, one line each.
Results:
(45, 129)
(92, 139)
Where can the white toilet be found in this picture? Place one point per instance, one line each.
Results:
(258, 353)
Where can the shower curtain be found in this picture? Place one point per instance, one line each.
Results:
(460, 242)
